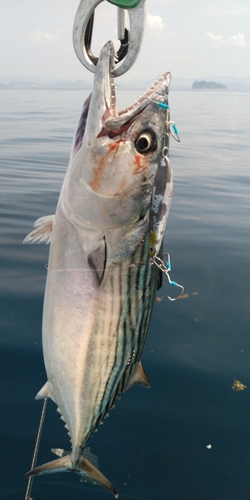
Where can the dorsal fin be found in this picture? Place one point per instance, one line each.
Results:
(138, 377)
(97, 260)
(43, 231)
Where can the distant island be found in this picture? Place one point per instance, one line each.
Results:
(231, 84)
(208, 85)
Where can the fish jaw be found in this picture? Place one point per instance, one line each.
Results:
(103, 100)
(109, 182)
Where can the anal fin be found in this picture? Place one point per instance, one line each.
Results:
(44, 392)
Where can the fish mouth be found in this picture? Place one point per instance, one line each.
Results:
(157, 93)
(103, 109)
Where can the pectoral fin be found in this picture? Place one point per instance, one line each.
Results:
(43, 231)
(138, 377)
(97, 260)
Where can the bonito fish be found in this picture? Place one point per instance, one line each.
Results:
(102, 279)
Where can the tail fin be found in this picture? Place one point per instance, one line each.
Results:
(82, 467)
(62, 464)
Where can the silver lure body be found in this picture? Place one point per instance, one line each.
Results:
(101, 282)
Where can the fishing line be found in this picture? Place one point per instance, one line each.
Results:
(87, 269)
(36, 448)
(174, 133)
(166, 270)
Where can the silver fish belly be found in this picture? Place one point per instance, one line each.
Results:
(101, 280)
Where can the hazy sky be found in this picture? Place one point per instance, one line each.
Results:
(190, 38)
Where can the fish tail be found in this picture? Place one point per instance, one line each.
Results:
(62, 464)
(83, 466)
(86, 467)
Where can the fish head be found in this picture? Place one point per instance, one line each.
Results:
(116, 154)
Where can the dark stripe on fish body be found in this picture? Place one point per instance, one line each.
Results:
(110, 326)
(118, 277)
(107, 333)
(122, 349)
(129, 299)
(146, 280)
(143, 270)
(122, 360)
(132, 299)
(116, 280)
(144, 276)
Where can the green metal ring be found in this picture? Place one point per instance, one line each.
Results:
(125, 4)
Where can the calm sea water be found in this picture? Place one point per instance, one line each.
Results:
(187, 438)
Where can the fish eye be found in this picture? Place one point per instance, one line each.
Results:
(146, 142)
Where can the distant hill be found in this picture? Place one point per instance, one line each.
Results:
(208, 85)
(239, 84)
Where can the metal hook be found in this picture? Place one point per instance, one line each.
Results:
(166, 270)
(130, 40)
(175, 132)
(121, 53)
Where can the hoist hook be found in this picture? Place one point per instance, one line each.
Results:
(130, 39)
